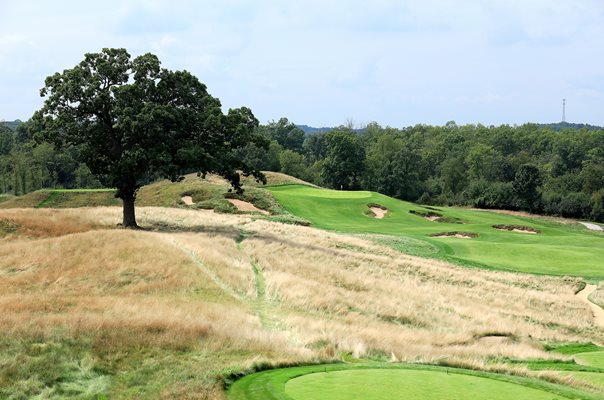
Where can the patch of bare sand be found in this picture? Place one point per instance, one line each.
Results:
(378, 212)
(247, 207)
(188, 200)
(591, 227)
(516, 228)
(459, 235)
(524, 231)
(597, 311)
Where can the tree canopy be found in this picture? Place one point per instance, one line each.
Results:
(132, 120)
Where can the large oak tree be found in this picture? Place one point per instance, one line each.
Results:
(132, 119)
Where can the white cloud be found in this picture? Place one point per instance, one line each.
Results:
(321, 61)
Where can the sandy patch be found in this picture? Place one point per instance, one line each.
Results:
(247, 207)
(459, 235)
(378, 212)
(516, 228)
(598, 312)
(592, 227)
(188, 200)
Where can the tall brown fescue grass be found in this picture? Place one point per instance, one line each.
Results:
(195, 281)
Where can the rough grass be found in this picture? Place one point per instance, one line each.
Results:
(89, 310)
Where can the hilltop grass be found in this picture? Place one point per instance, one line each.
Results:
(557, 249)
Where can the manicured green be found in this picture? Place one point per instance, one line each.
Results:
(592, 358)
(573, 348)
(557, 250)
(392, 381)
(385, 384)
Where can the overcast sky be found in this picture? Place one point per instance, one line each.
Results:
(324, 62)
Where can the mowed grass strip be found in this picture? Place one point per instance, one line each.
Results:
(557, 250)
(393, 381)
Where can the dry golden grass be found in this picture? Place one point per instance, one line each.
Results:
(227, 284)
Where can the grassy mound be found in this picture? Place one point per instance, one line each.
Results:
(559, 249)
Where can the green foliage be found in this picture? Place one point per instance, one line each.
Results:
(131, 120)
(525, 185)
(345, 162)
(287, 134)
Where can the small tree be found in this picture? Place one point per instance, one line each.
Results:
(132, 119)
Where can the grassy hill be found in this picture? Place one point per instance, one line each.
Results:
(91, 310)
(196, 298)
(556, 248)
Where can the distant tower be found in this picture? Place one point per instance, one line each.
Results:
(563, 110)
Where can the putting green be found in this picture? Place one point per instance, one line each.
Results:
(556, 250)
(393, 381)
(592, 358)
(407, 384)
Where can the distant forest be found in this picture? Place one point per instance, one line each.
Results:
(555, 169)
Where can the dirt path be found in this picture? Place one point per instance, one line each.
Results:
(597, 311)
(591, 226)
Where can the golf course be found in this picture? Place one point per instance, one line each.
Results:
(304, 293)
(545, 247)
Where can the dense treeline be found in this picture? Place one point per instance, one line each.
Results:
(528, 167)
(26, 166)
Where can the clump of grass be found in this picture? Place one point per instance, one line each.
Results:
(7, 227)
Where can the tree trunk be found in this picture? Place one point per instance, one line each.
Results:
(129, 215)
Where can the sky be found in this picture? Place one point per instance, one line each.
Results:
(326, 63)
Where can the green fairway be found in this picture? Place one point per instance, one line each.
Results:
(392, 381)
(557, 249)
(592, 358)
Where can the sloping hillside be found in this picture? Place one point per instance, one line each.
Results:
(90, 310)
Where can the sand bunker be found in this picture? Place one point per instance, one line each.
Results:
(459, 235)
(247, 207)
(516, 228)
(188, 200)
(592, 227)
(436, 217)
(378, 211)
